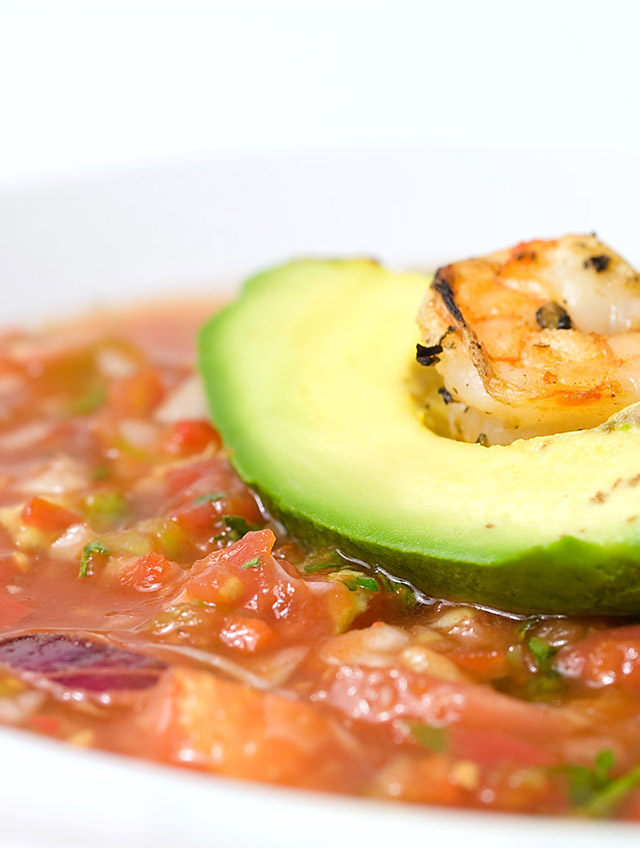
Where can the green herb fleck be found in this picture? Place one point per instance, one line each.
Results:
(354, 580)
(604, 802)
(87, 551)
(89, 402)
(333, 561)
(593, 791)
(214, 496)
(543, 653)
(404, 593)
(104, 509)
(252, 563)
(238, 526)
(433, 738)
(365, 582)
(100, 472)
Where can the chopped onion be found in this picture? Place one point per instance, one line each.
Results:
(115, 364)
(25, 436)
(71, 542)
(188, 401)
(139, 434)
(62, 474)
(375, 646)
(16, 709)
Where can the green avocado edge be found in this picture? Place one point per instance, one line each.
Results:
(566, 576)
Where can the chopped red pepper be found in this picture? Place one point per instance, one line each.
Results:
(187, 437)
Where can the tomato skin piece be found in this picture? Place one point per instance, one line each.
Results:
(604, 658)
(48, 517)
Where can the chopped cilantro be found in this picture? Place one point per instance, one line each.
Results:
(87, 551)
(321, 566)
(405, 594)
(365, 582)
(593, 791)
(214, 496)
(525, 626)
(605, 761)
(100, 472)
(333, 561)
(543, 653)
(604, 802)
(433, 738)
(89, 402)
(252, 563)
(354, 580)
(238, 526)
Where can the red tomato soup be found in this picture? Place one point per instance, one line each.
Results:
(149, 606)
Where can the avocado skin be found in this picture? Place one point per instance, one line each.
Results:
(592, 582)
(530, 561)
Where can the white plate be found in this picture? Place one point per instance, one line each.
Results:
(127, 235)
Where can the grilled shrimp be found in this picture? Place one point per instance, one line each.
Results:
(537, 339)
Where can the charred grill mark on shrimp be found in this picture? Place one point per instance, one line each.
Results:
(445, 290)
(444, 284)
(539, 338)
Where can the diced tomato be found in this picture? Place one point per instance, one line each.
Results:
(198, 518)
(183, 477)
(187, 437)
(607, 657)
(137, 395)
(247, 635)
(246, 575)
(47, 516)
(380, 695)
(483, 665)
(12, 611)
(630, 810)
(49, 725)
(149, 573)
(187, 485)
(255, 735)
(419, 781)
(219, 578)
(489, 747)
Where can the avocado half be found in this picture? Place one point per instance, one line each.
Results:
(308, 379)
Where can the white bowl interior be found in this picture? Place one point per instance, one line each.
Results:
(200, 225)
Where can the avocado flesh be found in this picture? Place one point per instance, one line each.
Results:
(308, 379)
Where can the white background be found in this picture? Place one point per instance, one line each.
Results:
(87, 85)
(148, 146)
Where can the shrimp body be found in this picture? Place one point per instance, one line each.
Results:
(541, 338)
